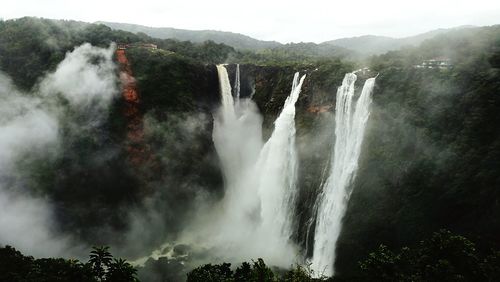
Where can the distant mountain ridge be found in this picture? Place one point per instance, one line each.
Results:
(372, 44)
(236, 40)
(361, 45)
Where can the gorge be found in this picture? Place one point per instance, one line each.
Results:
(279, 162)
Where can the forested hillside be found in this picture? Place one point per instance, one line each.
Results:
(432, 151)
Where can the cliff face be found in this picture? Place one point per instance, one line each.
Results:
(175, 90)
(173, 87)
(138, 152)
(430, 149)
(271, 86)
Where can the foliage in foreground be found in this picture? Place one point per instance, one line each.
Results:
(443, 257)
(256, 272)
(16, 267)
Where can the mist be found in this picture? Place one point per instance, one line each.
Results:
(30, 127)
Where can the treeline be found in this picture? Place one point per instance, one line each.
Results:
(471, 49)
(101, 266)
(294, 53)
(31, 46)
(444, 256)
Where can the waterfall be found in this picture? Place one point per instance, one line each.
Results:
(255, 217)
(227, 100)
(237, 133)
(350, 123)
(277, 170)
(237, 83)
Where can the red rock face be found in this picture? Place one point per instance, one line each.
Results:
(319, 109)
(129, 86)
(138, 152)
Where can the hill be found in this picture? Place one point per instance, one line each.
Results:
(236, 40)
(374, 45)
(343, 47)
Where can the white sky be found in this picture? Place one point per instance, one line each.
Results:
(280, 20)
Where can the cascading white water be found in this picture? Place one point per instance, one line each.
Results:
(237, 135)
(255, 216)
(254, 219)
(350, 126)
(225, 121)
(237, 83)
(227, 101)
(277, 171)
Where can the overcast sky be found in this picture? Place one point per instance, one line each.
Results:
(280, 20)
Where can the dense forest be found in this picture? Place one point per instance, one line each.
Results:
(425, 201)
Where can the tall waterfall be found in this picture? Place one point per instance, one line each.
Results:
(255, 216)
(350, 123)
(237, 83)
(227, 100)
(277, 170)
(237, 134)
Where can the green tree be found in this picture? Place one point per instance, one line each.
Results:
(443, 257)
(100, 261)
(261, 272)
(120, 270)
(16, 267)
(211, 273)
(243, 272)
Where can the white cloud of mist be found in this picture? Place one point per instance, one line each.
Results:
(25, 221)
(182, 154)
(27, 224)
(30, 124)
(24, 127)
(80, 81)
